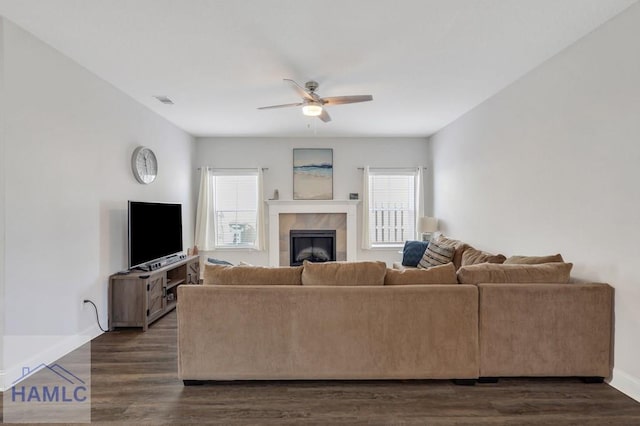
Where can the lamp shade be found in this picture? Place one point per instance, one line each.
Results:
(428, 224)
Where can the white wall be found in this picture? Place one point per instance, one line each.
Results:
(277, 155)
(550, 165)
(69, 137)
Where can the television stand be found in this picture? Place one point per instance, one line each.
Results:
(138, 298)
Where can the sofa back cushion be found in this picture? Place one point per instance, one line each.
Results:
(444, 274)
(473, 256)
(344, 273)
(252, 275)
(533, 260)
(556, 273)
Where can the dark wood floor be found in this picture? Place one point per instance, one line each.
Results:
(134, 380)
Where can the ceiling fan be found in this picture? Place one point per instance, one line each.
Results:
(313, 105)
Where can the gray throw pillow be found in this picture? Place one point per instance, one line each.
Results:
(218, 261)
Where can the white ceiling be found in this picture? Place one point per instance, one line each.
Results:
(426, 62)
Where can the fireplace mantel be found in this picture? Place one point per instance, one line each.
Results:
(277, 207)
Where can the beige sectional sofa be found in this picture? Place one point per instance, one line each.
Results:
(360, 320)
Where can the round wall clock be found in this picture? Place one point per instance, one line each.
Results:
(144, 165)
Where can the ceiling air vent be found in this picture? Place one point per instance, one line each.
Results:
(164, 99)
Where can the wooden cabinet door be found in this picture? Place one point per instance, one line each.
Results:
(193, 272)
(155, 295)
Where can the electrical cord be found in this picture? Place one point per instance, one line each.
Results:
(97, 317)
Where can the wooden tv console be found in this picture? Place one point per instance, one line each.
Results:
(138, 298)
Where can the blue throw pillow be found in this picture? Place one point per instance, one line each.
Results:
(218, 261)
(413, 251)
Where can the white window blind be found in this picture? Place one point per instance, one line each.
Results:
(236, 209)
(393, 206)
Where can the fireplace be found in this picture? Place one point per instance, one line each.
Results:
(285, 215)
(314, 245)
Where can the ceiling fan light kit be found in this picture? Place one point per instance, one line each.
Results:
(312, 109)
(313, 105)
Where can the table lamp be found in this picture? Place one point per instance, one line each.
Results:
(427, 226)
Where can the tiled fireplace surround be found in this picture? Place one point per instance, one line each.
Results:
(285, 215)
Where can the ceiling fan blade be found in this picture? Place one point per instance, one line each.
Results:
(281, 106)
(301, 91)
(324, 116)
(339, 100)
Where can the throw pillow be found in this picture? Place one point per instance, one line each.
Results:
(533, 260)
(413, 251)
(218, 261)
(443, 274)
(555, 273)
(458, 246)
(344, 273)
(436, 254)
(472, 256)
(252, 275)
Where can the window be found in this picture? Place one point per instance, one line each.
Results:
(230, 211)
(235, 209)
(392, 206)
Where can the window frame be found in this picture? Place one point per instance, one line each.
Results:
(410, 215)
(216, 211)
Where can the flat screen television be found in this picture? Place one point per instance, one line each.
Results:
(155, 231)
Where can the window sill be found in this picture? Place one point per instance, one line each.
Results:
(234, 248)
(389, 248)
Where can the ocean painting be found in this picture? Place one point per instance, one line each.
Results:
(312, 174)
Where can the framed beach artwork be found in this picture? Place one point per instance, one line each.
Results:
(312, 174)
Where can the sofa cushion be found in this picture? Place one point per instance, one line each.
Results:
(473, 256)
(412, 252)
(252, 275)
(436, 254)
(459, 249)
(533, 260)
(556, 273)
(344, 273)
(443, 274)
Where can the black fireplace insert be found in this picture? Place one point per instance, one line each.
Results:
(317, 245)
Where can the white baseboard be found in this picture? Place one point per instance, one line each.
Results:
(65, 345)
(626, 383)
